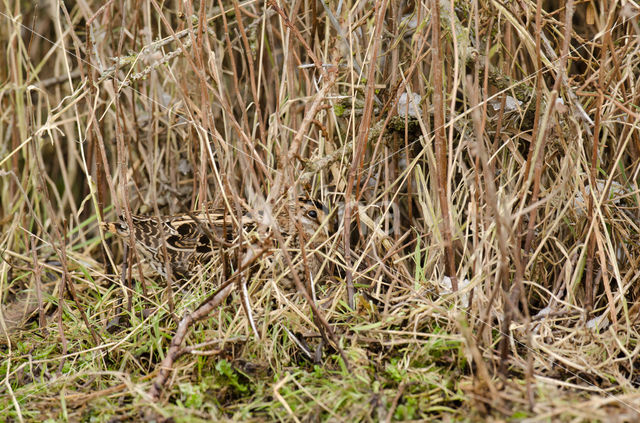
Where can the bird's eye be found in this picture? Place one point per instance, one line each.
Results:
(312, 214)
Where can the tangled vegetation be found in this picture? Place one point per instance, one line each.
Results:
(479, 161)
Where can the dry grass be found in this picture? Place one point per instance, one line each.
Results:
(517, 176)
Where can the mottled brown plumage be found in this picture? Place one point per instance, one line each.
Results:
(200, 237)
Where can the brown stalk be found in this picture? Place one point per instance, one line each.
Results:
(441, 148)
(252, 76)
(359, 149)
(200, 313)
(205, 102)
(316, 105)
(503, 273)
(59, 243)
(71, 288)
(248, 147)
(37, 272)
(41, 187)
(541, 134)
(122, 170)
(593, 167)
(298, 36)
(317, 314)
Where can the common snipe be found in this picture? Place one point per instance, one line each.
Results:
(197, 238)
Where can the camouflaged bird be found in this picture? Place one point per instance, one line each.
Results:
(200, 237)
